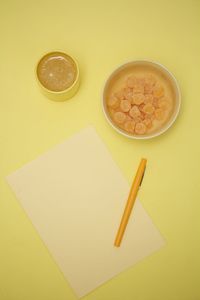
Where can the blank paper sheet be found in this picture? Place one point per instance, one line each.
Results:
(75, 195)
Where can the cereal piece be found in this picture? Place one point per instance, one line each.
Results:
(131, 81)
(119, 117)
(125, 105)
(120, 94)
(128, 118)
(111, 111)
(113, 102)
(148, 88)
(129, 97)
(140, 128)
(138, 99)
(137, 119)
(141, 106)
(135, 112)
(148, 122)
(141, 81)
(151, 117)
(129, 126)
(148, 109)
(158, 91)
(143, 115)
(128, 94)
(163, 103)
(159, 114)
(148, 98)
(121, 126)
(155, 102)
(138, 88)
(150, 80)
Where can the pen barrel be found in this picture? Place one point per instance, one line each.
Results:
(130, 202)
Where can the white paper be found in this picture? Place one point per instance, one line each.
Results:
(75, 196)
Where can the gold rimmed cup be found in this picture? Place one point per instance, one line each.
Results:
(58, 76)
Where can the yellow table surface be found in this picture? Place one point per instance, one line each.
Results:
(101, 35)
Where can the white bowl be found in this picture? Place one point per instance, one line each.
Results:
(156, 67)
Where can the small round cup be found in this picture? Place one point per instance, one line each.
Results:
(162, 70)
(63, 94)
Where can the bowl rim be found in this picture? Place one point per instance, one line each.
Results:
(71, 86)
(168, 125)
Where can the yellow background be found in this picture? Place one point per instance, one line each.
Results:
(101, 35)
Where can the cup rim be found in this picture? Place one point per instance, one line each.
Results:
(71, 86)
(153, 134)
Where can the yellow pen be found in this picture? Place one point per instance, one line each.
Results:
(130, 202)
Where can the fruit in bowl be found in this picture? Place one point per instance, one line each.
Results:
(141, 99)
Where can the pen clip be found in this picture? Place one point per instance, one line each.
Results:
(142, 177)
